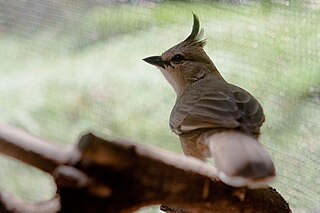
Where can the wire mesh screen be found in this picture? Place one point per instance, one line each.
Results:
(68, 66)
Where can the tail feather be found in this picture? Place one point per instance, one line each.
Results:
(240, 159)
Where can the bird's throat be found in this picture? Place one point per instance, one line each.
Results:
(178, 84)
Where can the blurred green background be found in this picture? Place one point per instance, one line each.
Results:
(69, 66)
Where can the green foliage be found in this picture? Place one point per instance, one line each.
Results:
(103, 23)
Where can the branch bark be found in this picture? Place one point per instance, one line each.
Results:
(108, 175)
(32, 150)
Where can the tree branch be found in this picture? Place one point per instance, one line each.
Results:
(32, 150)
(109, 175)
(9, 203)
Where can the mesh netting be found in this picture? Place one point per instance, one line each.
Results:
(67, 66)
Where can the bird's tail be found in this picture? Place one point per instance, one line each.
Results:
(240, 159)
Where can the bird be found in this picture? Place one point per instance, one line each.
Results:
(213, 118)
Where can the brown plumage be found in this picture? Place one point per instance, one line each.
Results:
(212, 117)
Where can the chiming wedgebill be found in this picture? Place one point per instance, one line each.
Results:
(212, 117)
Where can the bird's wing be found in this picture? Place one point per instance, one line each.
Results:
(224, 107)
(252, 116)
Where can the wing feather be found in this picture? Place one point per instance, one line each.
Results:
(216, 104)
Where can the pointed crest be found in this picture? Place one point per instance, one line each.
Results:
(195, 34)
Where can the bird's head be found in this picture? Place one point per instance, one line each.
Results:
(185, 62)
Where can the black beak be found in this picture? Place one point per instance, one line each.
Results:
(156, 61)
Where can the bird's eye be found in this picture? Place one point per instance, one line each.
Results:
(177, 58)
